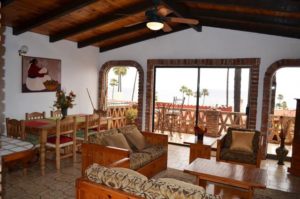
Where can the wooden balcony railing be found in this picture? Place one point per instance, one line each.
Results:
(275, 128)
(117, 113)
(185, 122)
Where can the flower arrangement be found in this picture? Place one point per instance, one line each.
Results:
(64, 101)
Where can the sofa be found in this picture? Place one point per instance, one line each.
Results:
(144, 152)
(121, 183)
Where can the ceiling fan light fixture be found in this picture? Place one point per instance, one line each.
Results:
(155, 25)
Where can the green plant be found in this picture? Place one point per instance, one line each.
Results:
(131, 114)
(63, 100)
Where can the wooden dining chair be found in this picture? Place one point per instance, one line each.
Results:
(65, 138)
(15, 128)
(35, 115)
(56, 114)
(91, 127)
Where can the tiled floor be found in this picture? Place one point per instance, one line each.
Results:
(62, 185)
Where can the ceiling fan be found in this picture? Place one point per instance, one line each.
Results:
(157, 18)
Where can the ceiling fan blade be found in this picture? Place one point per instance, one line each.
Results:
(133, 24)
(162, 11)
(167, 28)
(182, 20)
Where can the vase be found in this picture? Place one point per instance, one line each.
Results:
(281, 152)
(64, 112)
(198, 133)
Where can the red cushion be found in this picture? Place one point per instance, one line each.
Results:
(63, 139)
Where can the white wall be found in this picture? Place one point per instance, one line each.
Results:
(79, 70)
(211, 43)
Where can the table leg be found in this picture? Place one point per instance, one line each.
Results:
(43, 139)
(250, 193)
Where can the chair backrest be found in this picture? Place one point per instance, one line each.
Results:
(35, 115)
(67, 127)
(56, 114)
(93, 122)
(177, 105)
(15, 128)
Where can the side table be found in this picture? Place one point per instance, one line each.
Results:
(200, 149)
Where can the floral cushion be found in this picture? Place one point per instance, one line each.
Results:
(137, 184)
(238, 156)
(155, 151)
(98, 138)
(170, 188)
(138, 160)
(128, 129)
(130, 182)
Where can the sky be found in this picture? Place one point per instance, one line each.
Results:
(288, 84)
(170, 80)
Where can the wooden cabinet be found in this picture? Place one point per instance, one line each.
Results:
(295, 162)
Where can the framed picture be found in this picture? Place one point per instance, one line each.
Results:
(40, 74)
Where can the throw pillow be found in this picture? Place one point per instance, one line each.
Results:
(242, 141)
(117, 140)
(136, 139)
(130, 172)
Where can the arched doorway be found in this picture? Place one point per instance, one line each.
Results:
(266, 106)
(103, 85)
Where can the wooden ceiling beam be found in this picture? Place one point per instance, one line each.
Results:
(52, 15)
(276, 5)
(109, 35)
(180, 12)
(142, 38)
(6, 2)
(109, 18)
(247, 17)
(251, 27)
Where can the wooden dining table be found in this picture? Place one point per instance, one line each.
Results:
(45, 127)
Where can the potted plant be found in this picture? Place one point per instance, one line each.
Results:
(131, 115)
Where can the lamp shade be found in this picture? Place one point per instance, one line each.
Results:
(155, 25)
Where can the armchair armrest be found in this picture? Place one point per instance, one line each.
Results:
(156, 139)
(104, 155)
(220, 145)
(125, 163)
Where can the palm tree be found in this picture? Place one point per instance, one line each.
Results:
(204, 93)
(113, 83)
(120, 71)
(279, 98)
(183, 90)
(189, 93)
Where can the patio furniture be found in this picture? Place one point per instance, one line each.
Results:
(65, 137)
(242, 146)
(35, 115)
(173, 115)
(56, 114)
(237, 176)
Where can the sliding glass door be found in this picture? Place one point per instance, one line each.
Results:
(203, 89)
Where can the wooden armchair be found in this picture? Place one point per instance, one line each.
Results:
(35, 115)
(226, 154)
(107, 155)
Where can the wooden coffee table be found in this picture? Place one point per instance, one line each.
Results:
(239, 176)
